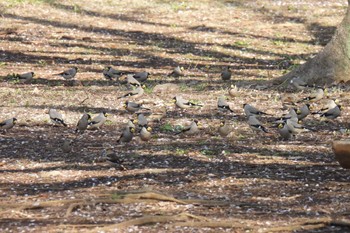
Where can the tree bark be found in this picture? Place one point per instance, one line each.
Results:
(332, 64)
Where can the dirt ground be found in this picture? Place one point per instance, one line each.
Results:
(247, 182)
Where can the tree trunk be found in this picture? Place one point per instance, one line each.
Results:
(332, 64)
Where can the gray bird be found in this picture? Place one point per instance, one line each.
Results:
(98, 120)
(299, 84)
(191, 129)
(332, 113)
(303, 112)
(137, 92)
(313, 97)
(127, 135)
(25, 76)
(83, 123)
(284, 131)
(291, 115)
(133, 107)
(67, 146)
(131, 123)
(56, 117)
(250, 110)
(224, 129)
(182, 103)
(295, 127)
(255, 124)
(132, 81)
(223, 105)
(226, 74)
(177, 72)
(330, 103)
(8, 124)
(69, 74)
(145, 133)
(110, 73)
(141, 76)
(142, 120)
(113, 159)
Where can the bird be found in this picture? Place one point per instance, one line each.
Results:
(131, 123)
(284, 131)
(25, 76)
(191, 129)
(295, 127)
(177, 72)
(303, 112)
(224, 129)
(137, 92)
(8, 124)
(223, 105)
(330, 103)
(83, 123)
(110, 73)
(130, 80)
(233, 91)
(255, 124)
(298, 83)
(56, 117)
(69, 74)
(226, 74)
(182, 103)
(142, 120)
(133, 107)
(250, 110)
(98, 120)
(126, 135)
(67, 146)
(145, 133)
(113, 159)
(290, 115)
(315, 96)
(141, 76)
(332, 113)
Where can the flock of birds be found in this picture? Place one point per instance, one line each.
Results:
(287, 125)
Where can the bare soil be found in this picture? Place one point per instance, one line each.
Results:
(248, 182)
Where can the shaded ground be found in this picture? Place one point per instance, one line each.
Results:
(247, 182)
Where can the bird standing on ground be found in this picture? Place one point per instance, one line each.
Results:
(332, 113)
(110, 73)
(191, 129)
(177, 72)
(130, 80)
(299, 84)
(69, 74)
(226, 74)
(137, 92)
(113, 159)
(142, 120)
(223, 105)
(56, 117)
(145, 133)
(98, 120)
(26, 76)
(284, 131)
(224, 129)
(141, 76)
(133, 107)
(127, 135)
(303, 112)
(83, 123)
(182, 103)
(250, 110)
(314, 97)
(8, 124)
(67, 146)
(255, 124)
